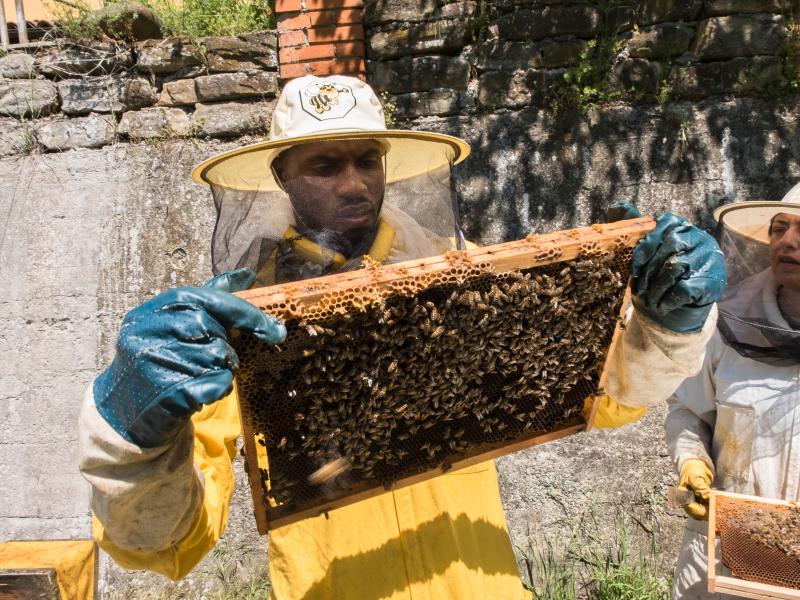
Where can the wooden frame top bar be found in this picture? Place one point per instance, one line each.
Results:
(533, 251)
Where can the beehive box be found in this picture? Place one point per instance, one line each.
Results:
(755, 536)
(393, 374)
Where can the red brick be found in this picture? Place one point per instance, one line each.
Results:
(321, 18)
(293, 23)
(347, 66)
(292, 38)
(354, 49)
(282, 6)
(347, 33)
(305, 53)
(294, 70)
(323, 4)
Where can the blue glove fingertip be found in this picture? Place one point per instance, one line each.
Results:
(272, 332)
(621, 210)
(232, 281)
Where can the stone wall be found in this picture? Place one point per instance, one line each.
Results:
(465, 56)
(89, 96)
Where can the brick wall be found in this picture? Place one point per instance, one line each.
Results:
(321, 37)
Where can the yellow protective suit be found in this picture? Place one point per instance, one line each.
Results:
(445, 538)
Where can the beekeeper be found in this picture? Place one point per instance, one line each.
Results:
(159, 426)
(735, 426)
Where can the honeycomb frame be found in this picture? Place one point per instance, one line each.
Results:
(753, 565)
(355, 295)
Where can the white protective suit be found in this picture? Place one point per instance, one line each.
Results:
(742, 417)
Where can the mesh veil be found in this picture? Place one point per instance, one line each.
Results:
(750, 317)
(327, 217)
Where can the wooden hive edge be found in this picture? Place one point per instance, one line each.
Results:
(520, 254)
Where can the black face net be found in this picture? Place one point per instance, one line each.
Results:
(759, 315)
(338, 201)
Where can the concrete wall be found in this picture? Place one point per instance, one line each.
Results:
(85, 236)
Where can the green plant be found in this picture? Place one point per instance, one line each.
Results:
(588, 83)
(479, 25)
(584, 562)
(549, 572)
(75, 20)
(194, 18)
(614, 570)
(200, 52)
(389, 110)
(199, 18)
(665, 89)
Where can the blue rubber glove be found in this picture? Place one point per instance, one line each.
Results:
(678, 271)
(621, 211)
(173, 357)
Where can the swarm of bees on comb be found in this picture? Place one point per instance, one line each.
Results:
(360, 398)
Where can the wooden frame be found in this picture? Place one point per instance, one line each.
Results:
(723, 584)
(534, 251)
(29, 584)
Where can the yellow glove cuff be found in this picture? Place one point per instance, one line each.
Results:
(610, 413)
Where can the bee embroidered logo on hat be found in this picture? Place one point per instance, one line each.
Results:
(327, 100)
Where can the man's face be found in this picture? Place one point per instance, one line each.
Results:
(336, 186)
(784, 249)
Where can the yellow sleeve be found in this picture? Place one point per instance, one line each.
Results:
(216, 428)
(610, 413)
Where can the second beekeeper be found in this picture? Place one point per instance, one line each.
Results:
(735, 426)
(159, 426)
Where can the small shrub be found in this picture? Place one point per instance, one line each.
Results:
(198, 18)
(389, 110)
(584, 564)
(588, 83)
(549, 572)
(193, 18)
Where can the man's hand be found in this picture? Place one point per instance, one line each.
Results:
(678, 271)
(173, 357)
(696, 476)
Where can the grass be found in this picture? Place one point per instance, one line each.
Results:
(193, 18)
(229, 572)
(198, 18)
(584, 564)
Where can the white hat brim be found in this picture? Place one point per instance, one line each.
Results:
(752, 219)
(411, 153)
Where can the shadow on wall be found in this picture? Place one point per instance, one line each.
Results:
(533, 170)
